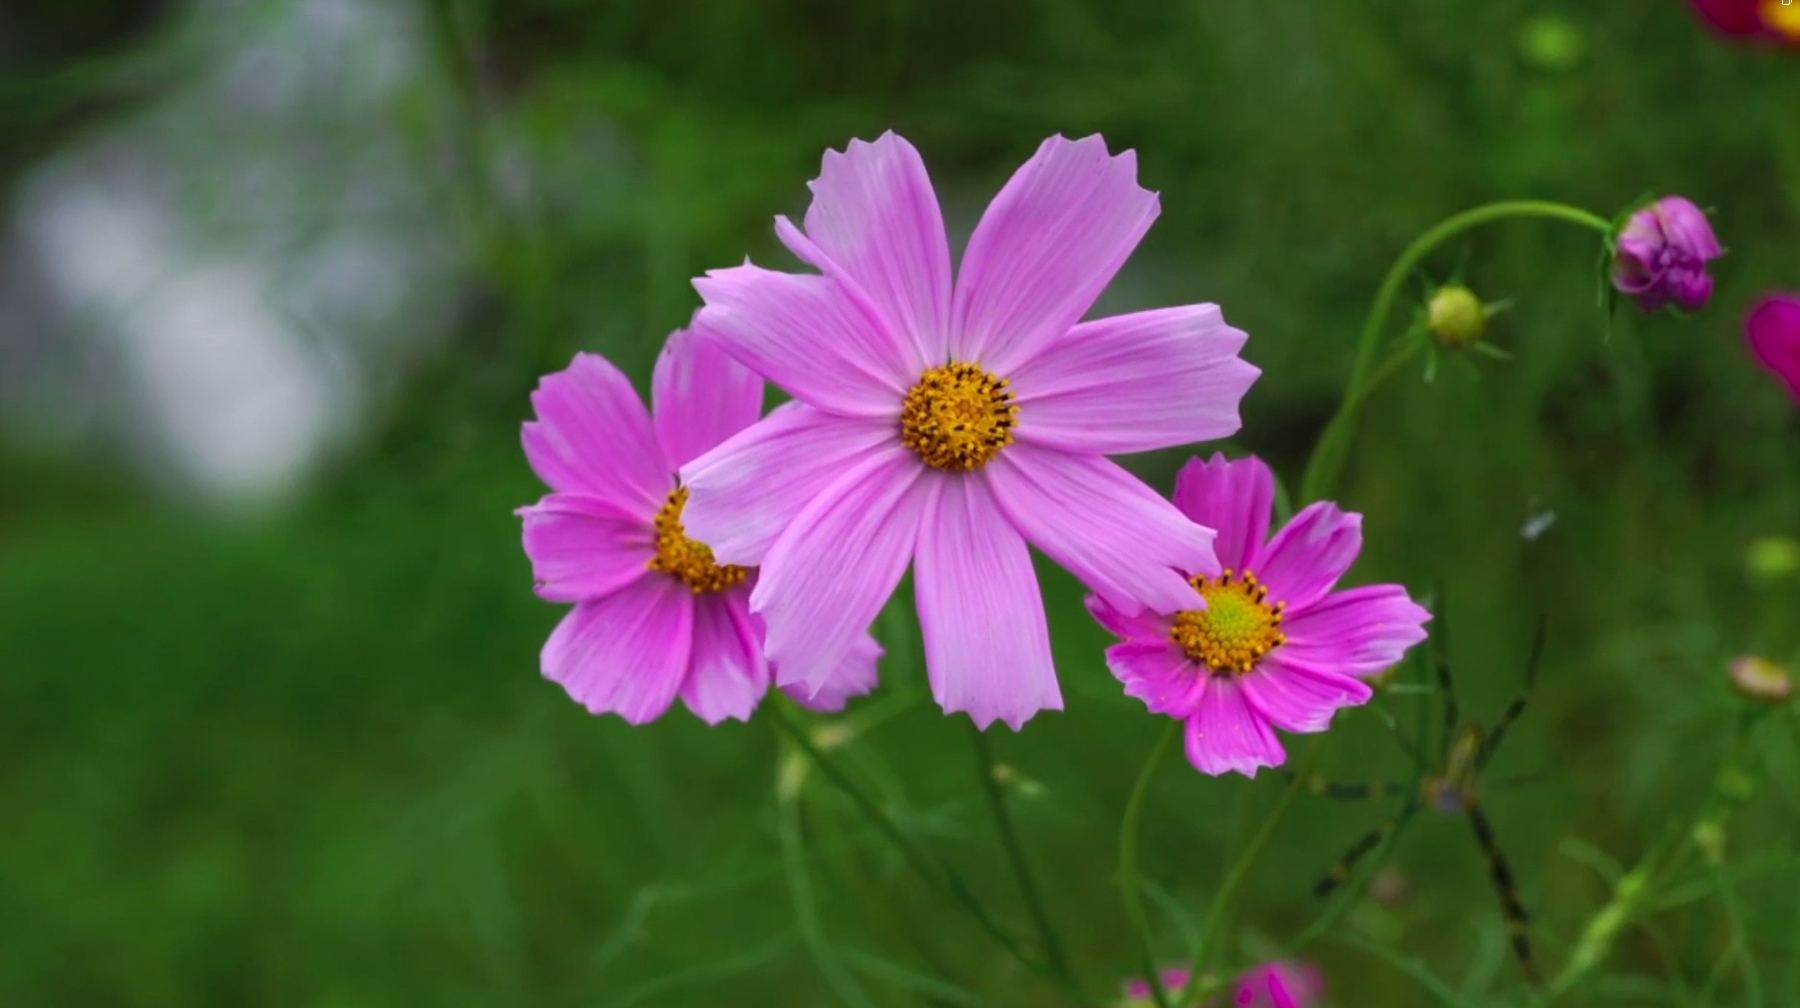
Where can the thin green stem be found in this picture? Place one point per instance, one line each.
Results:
(1015, 853)
(806, 913)
(1130, 831)
(1214, 928)
(929, 867)
(1326, 465)
(1740, 934)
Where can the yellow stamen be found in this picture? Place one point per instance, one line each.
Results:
(1783, 17)
(1238, 626)
(958, 417)
(683, 557)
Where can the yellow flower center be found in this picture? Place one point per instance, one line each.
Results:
(1237, 627)
(1782, 16)
(683, 557)
(958, 417)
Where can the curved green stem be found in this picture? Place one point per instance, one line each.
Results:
(1214, 928)
(1015, 853)
(1130, 829)
(1327, 462)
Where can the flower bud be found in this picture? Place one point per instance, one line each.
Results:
(1773, 330)
(1456, 317)
(1761, 680)
(1661, 255)
(1772, 558)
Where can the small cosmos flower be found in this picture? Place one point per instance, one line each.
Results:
(946, 419)
(1274, 645)
(655, 616)
(1274, 984)
(1662, 255)
(1776, 21)
(1773, 330)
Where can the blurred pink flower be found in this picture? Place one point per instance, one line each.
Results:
(1275, 646)
(1775, 21)
(1662, 255)
(655, 617)
(1773, 329)
(1275, 984)
(947, 421)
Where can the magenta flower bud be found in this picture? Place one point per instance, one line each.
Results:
(1662, 255)
(1773, 329)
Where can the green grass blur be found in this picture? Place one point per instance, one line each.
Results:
(308, 760)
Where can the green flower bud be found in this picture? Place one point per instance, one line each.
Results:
(1761, 681)
(1772, 558)
(1455, 317)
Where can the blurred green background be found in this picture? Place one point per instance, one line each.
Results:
(272, 730)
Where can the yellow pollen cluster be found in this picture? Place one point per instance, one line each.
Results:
(1237, 627)
(1782, 17)
(958, 417)
(683, 557)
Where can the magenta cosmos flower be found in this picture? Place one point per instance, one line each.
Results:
(1275, 646)
(1276, 984)
(655, 616)
(947, 423)
(1754, 20)
(1773, 329)
(1662, 255)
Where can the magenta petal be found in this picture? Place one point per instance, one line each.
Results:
(1299, 698)
(807, 335)
(987, 647)
(826, 578)
(1733, 17)
(625, 654)
(1159, 673)
(1773, 328)
(1235, 498)
(592, 435)
(1134, 383)
(745, 492)
(1141, 625)
(727, 676)
(1229, 734)
(875, 216)
(1309, 554)
(1358, 632)
(702, 396)
(855, 676)
(1047, 246)
(1104, 525)
(583, 547)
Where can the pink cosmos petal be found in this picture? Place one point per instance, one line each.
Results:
(807, 335)
(875, 216)
(1279, 984)
(1733, 17)
(1227, 733)
(1360, 632)
(1145, 623)
(826, 578)
(702, 396)
(1159, 673)
(592, 435)
(1102, 524)
(1135, 383)
(1236, 498)
(1299, 698)
(1174, 978)
(1309, 554)
(987, 647)
(743, 493)
(1773, 329)
(627, 653)
(1047, 246)
(584, 547)
(726, 676)
(855, 676)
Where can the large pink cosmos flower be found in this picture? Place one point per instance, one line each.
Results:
(1775, 21)
(947, 423)
(1773, 330)
(655, 616)
(1275, 646)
